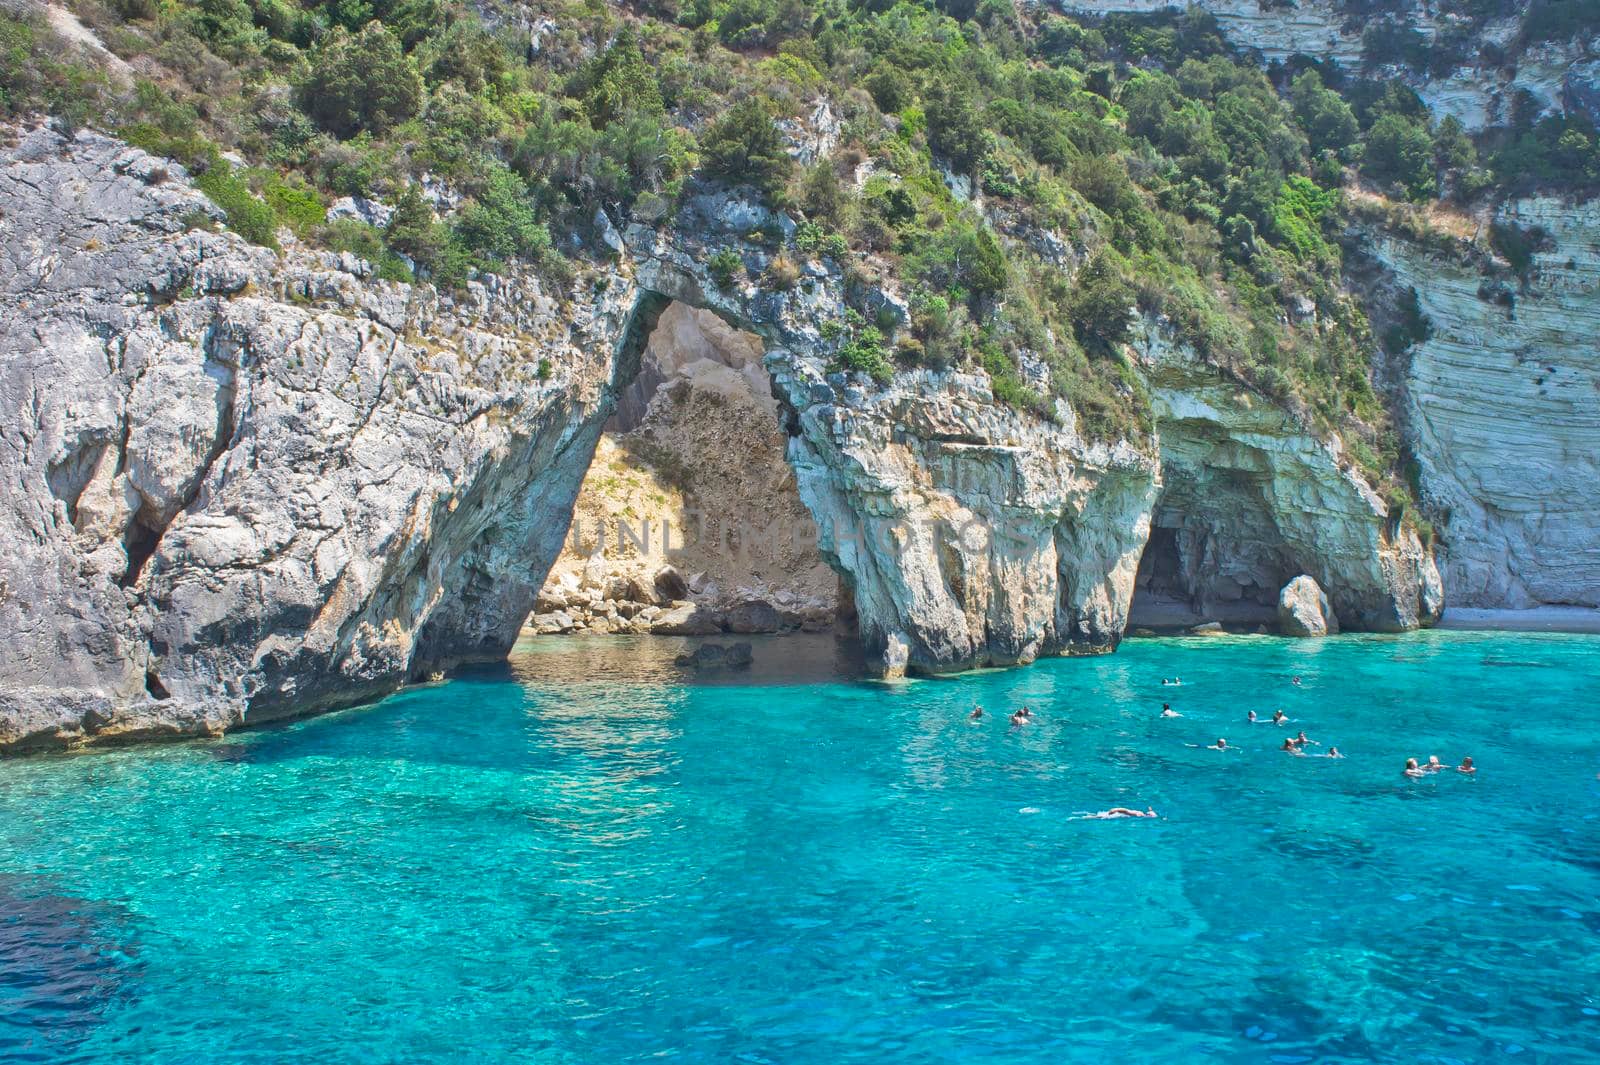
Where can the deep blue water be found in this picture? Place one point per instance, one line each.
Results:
(572, 859)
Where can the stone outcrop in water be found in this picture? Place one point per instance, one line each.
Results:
(249, 486)
(1304, 610)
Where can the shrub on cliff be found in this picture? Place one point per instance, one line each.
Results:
(1400, 150)
(249, 217)
(744, 147)
(1101, 305)
(361, 82)
(1328, 121)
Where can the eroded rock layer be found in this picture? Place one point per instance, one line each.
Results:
(1479, 89)
(693, 474)
(242, 487)
(1503, 407)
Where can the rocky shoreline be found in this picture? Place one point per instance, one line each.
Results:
(254, 486)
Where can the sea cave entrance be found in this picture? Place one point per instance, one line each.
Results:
(1215, 552)
(689, 520)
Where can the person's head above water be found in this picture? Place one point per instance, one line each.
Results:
(977, 711)
(1411, 763)
(1221, 743)
(1288, 745)
(1279, 715)
(1251, 716)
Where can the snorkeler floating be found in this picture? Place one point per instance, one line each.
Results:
(1116, 812)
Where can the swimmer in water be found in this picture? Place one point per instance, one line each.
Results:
(1413, 770)
(1466, 765)
(1301, 741)
(1018, 719)
(1027, 713)
(1434, 765)
(1120, 811)
(1251, 717)
(977, 712)
(1168, 711)
(1290, 747)
(1220, 745)
(1295, 682)
(1333, 752)
(1279, 717)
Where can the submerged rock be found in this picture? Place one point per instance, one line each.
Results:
(716, 656)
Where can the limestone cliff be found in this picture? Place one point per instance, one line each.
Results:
(1502, 403)
(248, 486)
(241, 488)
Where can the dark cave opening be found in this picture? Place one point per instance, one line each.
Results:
(1214, 554)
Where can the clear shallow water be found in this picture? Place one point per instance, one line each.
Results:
(539, 864)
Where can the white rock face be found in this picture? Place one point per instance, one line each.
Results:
(1478, 92)
(1304, 610)
(1504, 411)
(968, 534)
(243, 488)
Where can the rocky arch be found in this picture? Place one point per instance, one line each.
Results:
(1216, 551)
(689, 519)
(1248, 499)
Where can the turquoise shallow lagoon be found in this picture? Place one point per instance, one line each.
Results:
(575, 859)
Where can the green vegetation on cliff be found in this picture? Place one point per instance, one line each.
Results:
(1030, 181)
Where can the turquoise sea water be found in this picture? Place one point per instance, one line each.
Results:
(572, 859)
